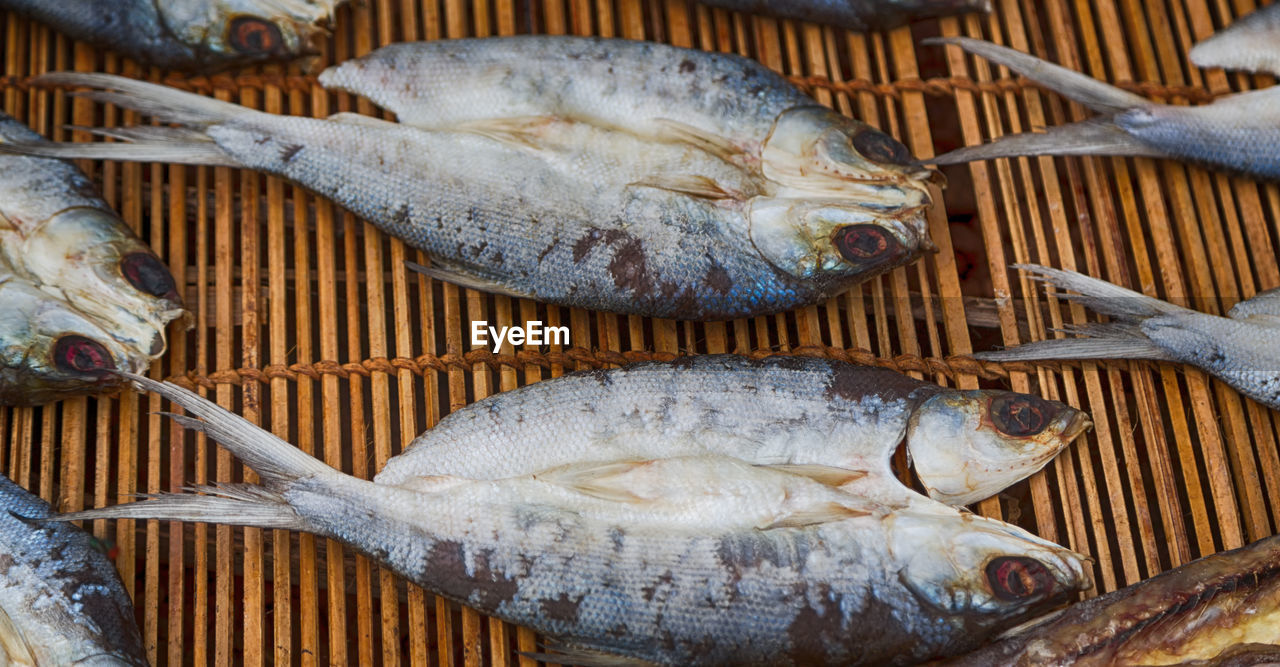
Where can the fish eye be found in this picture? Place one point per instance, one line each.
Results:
(1018, 578)
(1020, 415)
(78, 354)
(254, 36)
(880, 147)
(866, 242)
(145, 272)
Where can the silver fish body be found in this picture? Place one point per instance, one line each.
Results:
(965, 445)
(1239, 133)
(61, 601)
(668, 220)
(1222, 609)
(1238, 349)
(857, 15)
(187, 34)
(82, 295)
(1252, 43)
(772, 568)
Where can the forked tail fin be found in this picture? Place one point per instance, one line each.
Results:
(1122, 339)
(278, 463)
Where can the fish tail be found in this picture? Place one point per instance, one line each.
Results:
(161, 102)
(239, 504)
(277, 462)
(1089, 137)
(1069, 83)
(1104, 341)
(1102, 296)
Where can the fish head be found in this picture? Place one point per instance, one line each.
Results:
(100, 269)
(240, 32)
(49, 350)
(969, 445)
(970, 566)
(844, 199)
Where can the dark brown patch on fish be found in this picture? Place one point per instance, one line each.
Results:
(855, 383)
(486, 588)
(718, 279)
(584, 245)
(289, 152)
(687, 66)
(563, 608)
(630, 269)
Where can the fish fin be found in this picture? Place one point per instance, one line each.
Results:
(829, 475)
(565, 655)
(186, 152)
(432, 483)
(596, 479)
(13, 646)
(521, 131)
(1097, 136)
(1247, 44)
(161, 102)
(275, 460)
(1263, 303)
(352, 118)
(240, 504)
(462, 278)
(1102, 296)
(674, 131)
(693, 185)
(824, 513)
(1104, 343)
(1095, 94)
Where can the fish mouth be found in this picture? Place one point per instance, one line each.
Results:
(1076, 426)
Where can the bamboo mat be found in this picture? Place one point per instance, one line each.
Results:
(306, 323)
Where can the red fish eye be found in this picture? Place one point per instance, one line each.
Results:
(1020, 415)
(880, 147)
(254, 36)
(146, 273)
(1018, 578)
(860, 244)
(78, 354)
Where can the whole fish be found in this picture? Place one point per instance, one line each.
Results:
(1221, 610)
(857, 15)
(773, 567)
(187, 34)
(1237, 133)
(689, 225)
(965, 445)
(82, 295)
(1238, 349)
(1251, 43)
(61, 601)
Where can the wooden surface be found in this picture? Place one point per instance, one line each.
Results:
(306, 323)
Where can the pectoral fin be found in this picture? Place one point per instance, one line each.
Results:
(829, 475)
(599, 480)
(693, 185)
(457, 276)
(522, 131)
(825, 513)
(676, 132)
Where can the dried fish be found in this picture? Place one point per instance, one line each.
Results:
(1251, 43)
(582, 210)
(965, 445)
(61, 601)
(81, 294)
(1221, 610)
(1237, 349)
(858, 15)
(188, 34)
(1238, 133)
(773, 566)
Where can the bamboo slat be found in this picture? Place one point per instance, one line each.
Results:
(305, 322)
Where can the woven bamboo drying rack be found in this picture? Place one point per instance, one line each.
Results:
(306, 323)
